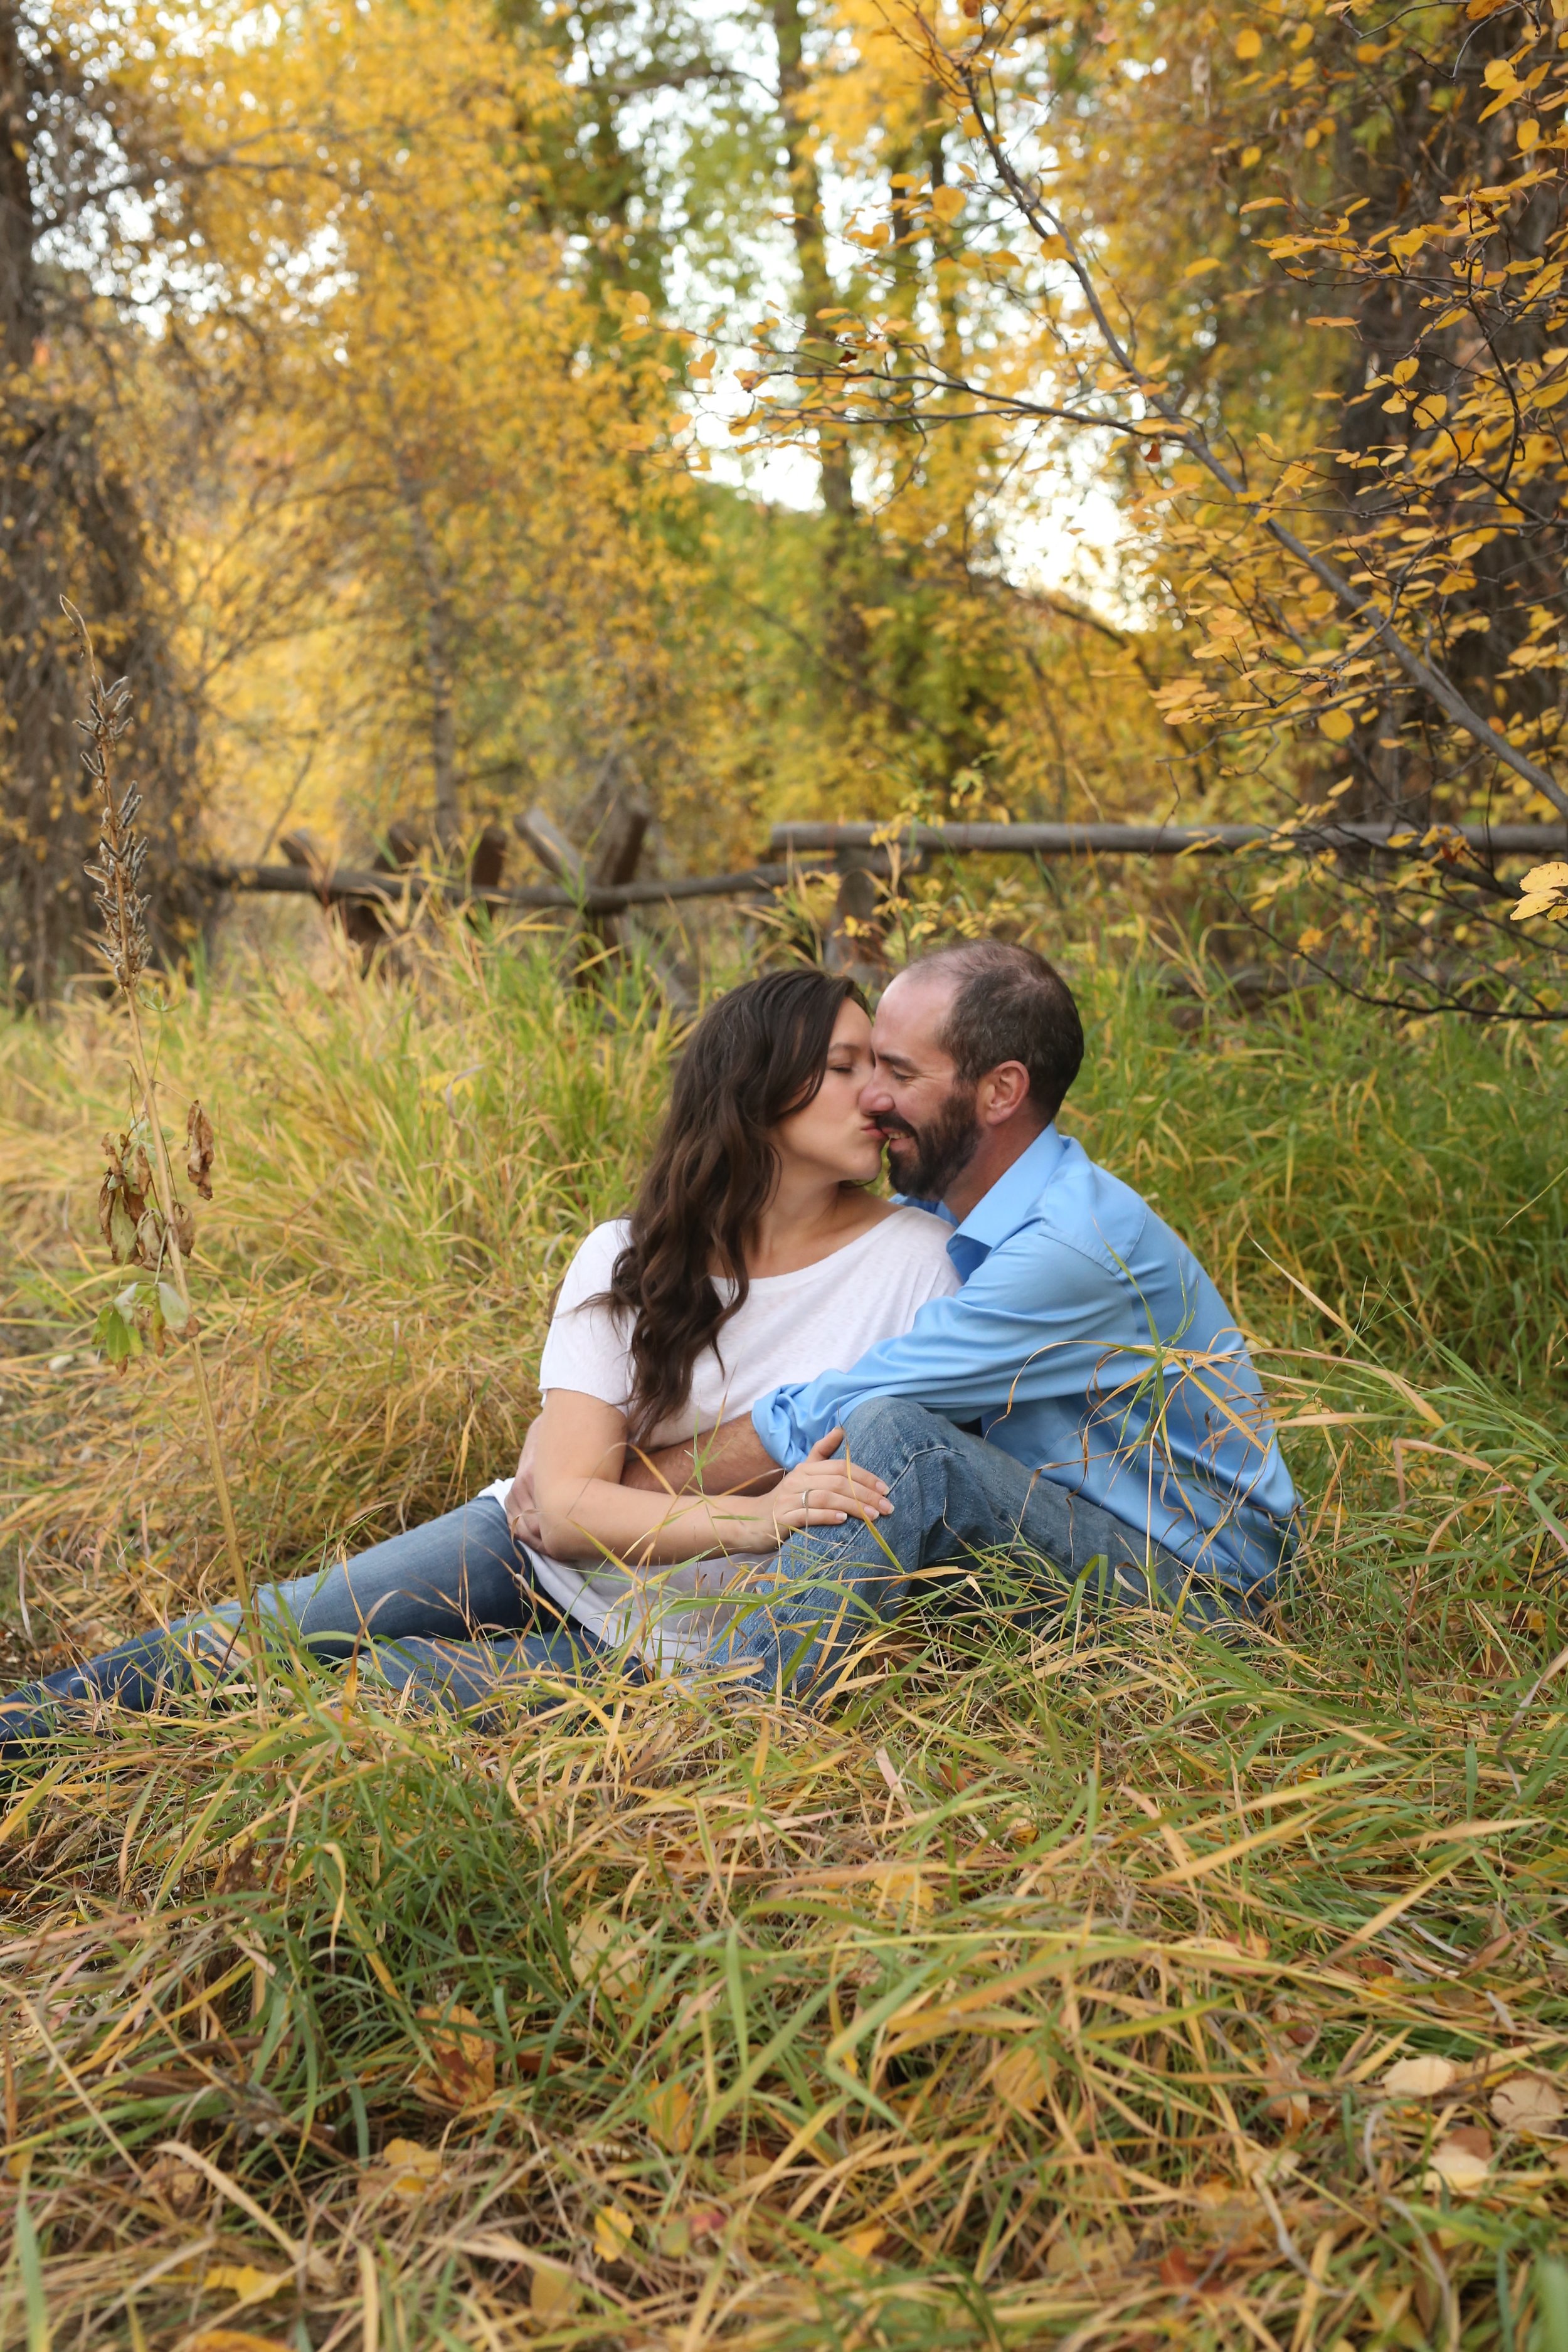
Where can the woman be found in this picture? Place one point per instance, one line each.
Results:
(755, 1255)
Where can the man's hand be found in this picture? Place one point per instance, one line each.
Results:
(728, 1460)
(521, 1510)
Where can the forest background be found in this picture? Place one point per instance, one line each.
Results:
(780, 411)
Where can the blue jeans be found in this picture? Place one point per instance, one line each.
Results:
(451, 1611)
(958, 1503)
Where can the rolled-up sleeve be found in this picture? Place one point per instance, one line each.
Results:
(1013, 1335)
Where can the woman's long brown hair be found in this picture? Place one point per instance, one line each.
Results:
(758, 1054)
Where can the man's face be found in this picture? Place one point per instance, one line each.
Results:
(914, 1094)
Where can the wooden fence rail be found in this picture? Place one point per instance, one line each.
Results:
(335, 884)
(598, 893)
(1151, 840)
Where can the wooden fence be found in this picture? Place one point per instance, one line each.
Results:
(597, 889)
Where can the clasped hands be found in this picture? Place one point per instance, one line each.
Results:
(763, 1508)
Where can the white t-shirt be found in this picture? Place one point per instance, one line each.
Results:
(792, 1327)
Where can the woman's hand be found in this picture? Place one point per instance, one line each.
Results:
(817, 1492)
(521, 1505)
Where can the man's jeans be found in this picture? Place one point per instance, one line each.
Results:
(451, 1611)
(954, 1497)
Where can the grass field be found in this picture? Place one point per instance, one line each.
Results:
(1113, 1990)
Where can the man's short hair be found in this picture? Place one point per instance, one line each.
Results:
(1009, 1005)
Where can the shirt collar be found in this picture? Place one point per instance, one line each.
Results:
(1009, 1203)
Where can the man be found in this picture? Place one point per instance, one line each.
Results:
(1084, 1406)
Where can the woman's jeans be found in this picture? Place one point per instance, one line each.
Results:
(451, 1611)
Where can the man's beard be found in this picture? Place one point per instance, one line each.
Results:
(923, 1161)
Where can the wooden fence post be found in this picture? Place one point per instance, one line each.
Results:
(854, 944)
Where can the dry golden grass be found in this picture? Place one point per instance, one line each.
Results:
(1058, 1992)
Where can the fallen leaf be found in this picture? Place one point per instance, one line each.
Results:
(744, 2164)
(1420, 2078)
(244, 2280)
(465, 2070)
(705, 2220)
(1175, 2271)
(670, 2112)
(1527, 2103)
(552, 2294)
(1019, 2079)
(901, 1890)
(675, 2237)
(852, 2250)
(614, 2230)
(174, 2184)
(1095, 2251)
(1269, 2164)
(1461, 2162)
(409, 2168)
(233, 2339)
(605, 1949)
(1289, 2100)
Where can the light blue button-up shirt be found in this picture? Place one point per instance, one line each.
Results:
(1089, 1342)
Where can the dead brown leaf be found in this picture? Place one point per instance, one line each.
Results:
(1527, 2103)
(465, 2071)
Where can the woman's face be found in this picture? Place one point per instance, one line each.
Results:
(831, 1133)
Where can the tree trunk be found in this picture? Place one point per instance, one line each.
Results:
(817, 290)
(19, 317)
(438, 669)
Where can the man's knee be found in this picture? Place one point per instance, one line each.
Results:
(888, 1429)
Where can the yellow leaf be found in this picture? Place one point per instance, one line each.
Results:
(410, 2169)
(1337, 725)
(1420, 2078)
(852, 2250)
(465, 2071)
(552, 2294)
(1020, 2079)
(1528, 134)
(1552, 877)
(607, 1951)
(233, 2339)
(670, 2117)
(901, 1889)
(1430, 411)
(244, 2280)
(614, 2230)
(1248, 42)
(1250, 155)
(947, 204)
(1197, 269)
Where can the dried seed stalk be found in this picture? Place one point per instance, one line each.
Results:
(122, 913)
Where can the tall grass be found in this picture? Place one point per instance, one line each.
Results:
(1038, 1994)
